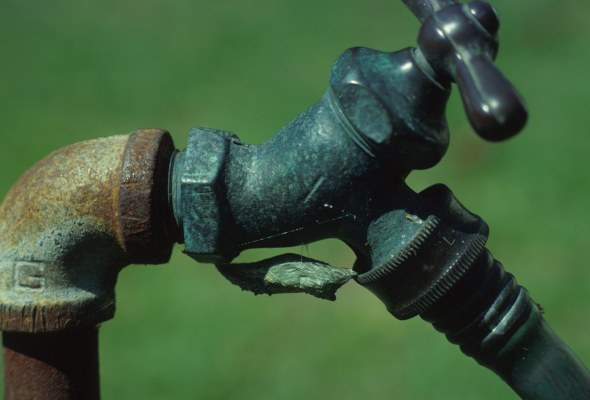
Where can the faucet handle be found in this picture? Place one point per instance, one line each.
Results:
(459, 42)
(494, 107)
(423, 9)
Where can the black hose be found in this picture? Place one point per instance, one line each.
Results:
(494, 321)
(447, 276)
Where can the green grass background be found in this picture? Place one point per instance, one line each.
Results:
(72, 70)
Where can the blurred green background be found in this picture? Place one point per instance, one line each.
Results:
(72, 70)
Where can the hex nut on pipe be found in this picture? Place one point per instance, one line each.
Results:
(201, 171)
(73, 220)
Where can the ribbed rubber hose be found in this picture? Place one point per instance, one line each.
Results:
(495, 321)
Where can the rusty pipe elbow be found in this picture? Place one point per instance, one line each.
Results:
(73, 220)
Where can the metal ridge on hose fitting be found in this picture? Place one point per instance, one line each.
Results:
(449, 240)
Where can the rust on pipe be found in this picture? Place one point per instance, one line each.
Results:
(67, 227)
(73, 221)
(146, 220)
(51, 366)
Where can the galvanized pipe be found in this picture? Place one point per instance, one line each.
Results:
(67, 227)
(73, 221)
(51, 366)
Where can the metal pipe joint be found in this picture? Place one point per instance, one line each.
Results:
(73, 221)
(77, 217)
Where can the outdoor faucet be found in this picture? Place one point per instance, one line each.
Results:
(338, 170)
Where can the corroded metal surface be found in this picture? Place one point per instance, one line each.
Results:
(66, 230)
(147, 227)
(51, 366)
(200, 170)
(59, 245)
